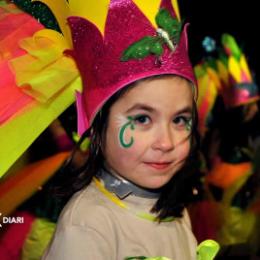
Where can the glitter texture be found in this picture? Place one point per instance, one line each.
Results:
(98, 57)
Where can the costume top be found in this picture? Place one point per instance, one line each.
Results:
(91, 226)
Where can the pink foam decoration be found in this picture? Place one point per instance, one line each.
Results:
(244, 77)
(241, 96)
(11, 31)
(203, 110)
(82, 119)
(98, 57)
(12, 99)
(12, 240)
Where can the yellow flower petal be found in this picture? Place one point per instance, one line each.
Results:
(234, 69)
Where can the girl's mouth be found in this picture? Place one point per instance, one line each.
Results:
(158, 165)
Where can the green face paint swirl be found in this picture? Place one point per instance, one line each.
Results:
(130, 124)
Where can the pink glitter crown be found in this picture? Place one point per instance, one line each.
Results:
(98, 57)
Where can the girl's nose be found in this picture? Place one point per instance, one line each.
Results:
(164, 140)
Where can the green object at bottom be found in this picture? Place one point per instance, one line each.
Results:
(147, 258)
(38, 238)
(207, 250)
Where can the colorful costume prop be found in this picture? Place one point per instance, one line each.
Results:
(131, 40)
(16, 189)
(37, 83)
(231, 191)
(106, 45)
(227, 75)
(209, 85)
(224, 175)
(119, 43)
(238, 86)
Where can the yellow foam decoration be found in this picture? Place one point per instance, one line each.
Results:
(31, 122)
(214, 77)
(208, 84)
(44, 65)
(203, 85)
(61, 11)
(56, 37)
(244, 67)
(223, 73)
(97, 12)
(59, 74)
(176, 9)
(211, 94)
(44, 48)
(234, 68)
(149, 8)
(94, 11)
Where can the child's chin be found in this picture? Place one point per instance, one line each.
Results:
(156, 184)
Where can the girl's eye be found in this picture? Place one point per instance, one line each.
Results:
(142, 119)
(183, 121)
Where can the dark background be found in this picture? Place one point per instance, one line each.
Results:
(212, 18)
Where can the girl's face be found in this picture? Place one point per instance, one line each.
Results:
(148, 134)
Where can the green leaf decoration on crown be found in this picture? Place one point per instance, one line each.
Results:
(168, 32)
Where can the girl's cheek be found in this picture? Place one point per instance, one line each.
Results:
(181, 144)
(126, 137)
(132, 140)
(183, 150)
(130, 136)
(182, 139)
(125, 134)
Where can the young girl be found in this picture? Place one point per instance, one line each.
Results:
(138, 108)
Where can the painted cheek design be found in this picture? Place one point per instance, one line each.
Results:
(189, 124)
(128, 124)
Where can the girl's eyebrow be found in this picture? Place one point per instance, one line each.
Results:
(140, 107)
(187, 109)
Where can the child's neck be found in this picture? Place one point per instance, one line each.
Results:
(122, 187)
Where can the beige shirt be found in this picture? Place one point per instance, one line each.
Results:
(92, 227)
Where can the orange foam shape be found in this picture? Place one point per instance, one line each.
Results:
(19, 187)
(223, 175)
